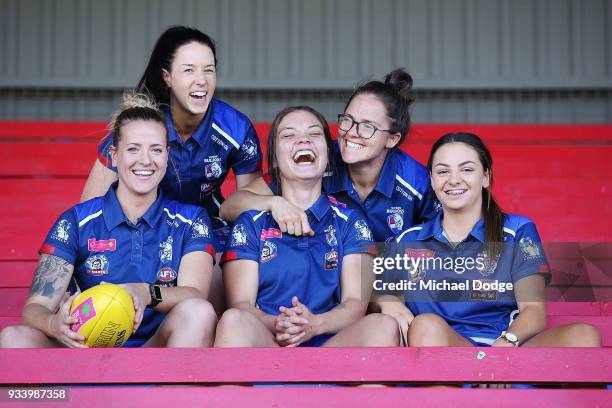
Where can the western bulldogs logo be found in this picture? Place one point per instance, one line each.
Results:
(330, 236)
(249, 148)
(96, 265)
(268, 252)
(395, 222)
(165, 253)
(199, 229)
(62, 230)
(487, 267)
(239, 237)
(167, 277)
(363, 231)
(213, 170)
(331, 259)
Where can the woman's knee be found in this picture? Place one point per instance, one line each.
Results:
(194, 312)
(383, 330)
(583, 335)
(18, 336)
(425, 329)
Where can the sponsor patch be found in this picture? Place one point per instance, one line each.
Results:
(249, 149)
(213, 170)
(200, 229)
(529, 249)
(419, 253)
(270, 233)
(330, 236)
(96, 265)
(62, 231)
(94, 245)
(239, 236)
(336, 202)
(83, 312)
(268, 252)
(331, 259)
(165, 252)
(482, 294)
(166, 276)
(363, 231)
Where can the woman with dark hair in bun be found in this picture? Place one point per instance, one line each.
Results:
(388, 185)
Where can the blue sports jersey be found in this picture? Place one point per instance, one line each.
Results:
(103, 245)
(401, 198)
(198, 166)
(477, 310)
(306, 267)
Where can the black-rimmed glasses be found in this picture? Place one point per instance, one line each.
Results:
(365, 130)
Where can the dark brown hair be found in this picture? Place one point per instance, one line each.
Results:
(491, 211)
(273, 170)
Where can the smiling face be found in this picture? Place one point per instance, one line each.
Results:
(141, 157)
(354, 149)
(192, 79)
(458, 177)
(301, 149)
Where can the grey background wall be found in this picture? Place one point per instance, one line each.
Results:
(492, 61)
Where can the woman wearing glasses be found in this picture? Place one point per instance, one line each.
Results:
(375, 175)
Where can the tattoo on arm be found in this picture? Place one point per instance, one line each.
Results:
(51, 276)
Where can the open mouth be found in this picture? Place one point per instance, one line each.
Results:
(304, 157)
(199, 95)
(455, 192)
(353, 146)
(142, 173)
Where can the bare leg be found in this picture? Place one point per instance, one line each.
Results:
(373, 330)
(216, 295)
(428, 329)
(238, 328)
(569, 335)
(26, 337)
(191, 323)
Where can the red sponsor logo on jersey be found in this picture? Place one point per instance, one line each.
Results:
(419, 253)
(270, 233)
(101, 245)
(334, 201)
(47, 249)
(166, 275)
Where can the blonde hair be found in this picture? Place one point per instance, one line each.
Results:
(135, 106)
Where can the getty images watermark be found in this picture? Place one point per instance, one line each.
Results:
(470, 271)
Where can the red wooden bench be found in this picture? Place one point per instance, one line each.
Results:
(557, 175)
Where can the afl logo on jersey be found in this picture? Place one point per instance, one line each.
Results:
(166, 276)
(213, 170)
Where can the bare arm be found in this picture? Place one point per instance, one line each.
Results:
(258, 196)
(529, 294)
(241, 279)
(47, 308)
(356, 284)
(99, 180)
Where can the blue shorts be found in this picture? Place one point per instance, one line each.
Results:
(317, 341)
(220, 237)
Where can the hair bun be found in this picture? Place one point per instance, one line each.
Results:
(133, 100)
(402, 82)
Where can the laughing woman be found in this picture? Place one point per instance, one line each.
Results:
(149, 234)
(286, 290)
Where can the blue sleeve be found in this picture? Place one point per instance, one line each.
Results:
(428, 207)
(104, 155)
(243, 242)
(528, 254)
(357, 237)
(199, 235)
(63, 238)
(248, 158)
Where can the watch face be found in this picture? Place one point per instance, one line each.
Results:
(511, 337)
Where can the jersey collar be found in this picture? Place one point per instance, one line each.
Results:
(201, 133)
(434, 229)
(320, 207)
(384, 185)
(113, 213)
